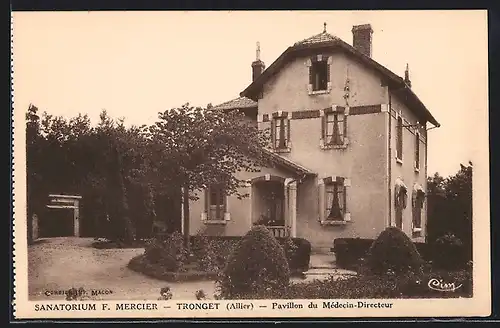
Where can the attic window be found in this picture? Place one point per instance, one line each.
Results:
(319, 75)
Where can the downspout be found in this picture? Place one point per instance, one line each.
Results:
(389, 179)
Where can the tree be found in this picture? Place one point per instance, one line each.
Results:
(194, 148)
(450, 205)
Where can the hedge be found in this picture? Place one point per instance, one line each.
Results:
(349, 251)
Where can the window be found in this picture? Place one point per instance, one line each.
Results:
(400, 196)
(280, 133)
(399, 139)
(335, 201)
(319, 70)
(319, 74)
(418, 203)
(334, 131)
(417, 151)
(215, 202)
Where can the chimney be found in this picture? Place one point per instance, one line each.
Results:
(407, 76)
(362, 39)
(258, 65)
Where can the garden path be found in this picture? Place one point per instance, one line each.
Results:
(58, 264)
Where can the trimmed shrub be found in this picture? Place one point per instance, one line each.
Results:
(169, 253)
(299, 255)
(257, 266)
(393, 251)
(348, 251)
(212, 252)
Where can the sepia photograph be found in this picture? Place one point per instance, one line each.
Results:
(251, 163)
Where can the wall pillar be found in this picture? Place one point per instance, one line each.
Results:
(292, 200)
(76, 218)
(249, 187)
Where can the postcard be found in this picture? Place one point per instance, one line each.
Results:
(250, 164)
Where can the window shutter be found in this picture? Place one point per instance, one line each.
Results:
(288, 132)
(311, 76)
(327, 71)
(207, 202)
(273, 133)
(323, 127)
(321, 201)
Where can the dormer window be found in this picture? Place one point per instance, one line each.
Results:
(319, 70)
(319, 74)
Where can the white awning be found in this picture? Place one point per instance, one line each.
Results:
(400, 186)
(418, 189)
(400, 193)
(418, 195)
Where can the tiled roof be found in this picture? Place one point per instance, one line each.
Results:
(241, 102)
(318, 38)
(288, 163)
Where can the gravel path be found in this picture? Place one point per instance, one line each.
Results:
(58, 264)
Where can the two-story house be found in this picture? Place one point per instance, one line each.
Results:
(351, 139)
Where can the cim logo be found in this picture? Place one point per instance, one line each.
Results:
(441, 286)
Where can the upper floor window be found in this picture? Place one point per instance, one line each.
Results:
(399, 139)
(334, 128)
(319, 70)
(335, 125)
(280, 132)
(417, 151)
(319, 74)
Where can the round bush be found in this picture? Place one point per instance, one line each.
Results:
(256, 267)
(169, 253)
(393, 251)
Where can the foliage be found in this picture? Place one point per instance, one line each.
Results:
(450, 255)
(258, 264)
(168, 253)
(393, 251)
(165, 294)
(449, 209)
(350, 252)
(200, 294)
(126, 175)
(212, 253)
(408, 285)
(142, 265)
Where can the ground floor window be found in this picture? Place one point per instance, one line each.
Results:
(418, 203)
(215, 202)
(400, 196)
(333, 200)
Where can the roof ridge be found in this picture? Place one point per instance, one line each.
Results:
(318, 38)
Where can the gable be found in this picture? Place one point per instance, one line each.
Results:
(393, 81)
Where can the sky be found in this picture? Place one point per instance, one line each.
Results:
(136, 64)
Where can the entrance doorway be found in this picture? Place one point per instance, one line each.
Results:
(57, 222)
